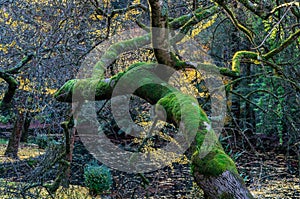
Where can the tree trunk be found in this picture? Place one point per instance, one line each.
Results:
(225, 186)
(208, 159)
(5, 104)
(14, 141)
(25, 132)
(183, 111)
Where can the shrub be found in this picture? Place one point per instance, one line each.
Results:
(97, 178)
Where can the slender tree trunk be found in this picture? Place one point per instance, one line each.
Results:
(25, 132)
(14, 141)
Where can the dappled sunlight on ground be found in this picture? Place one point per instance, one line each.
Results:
(25, 151)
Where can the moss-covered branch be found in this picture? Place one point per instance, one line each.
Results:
(254, 56)
(102, 89)
(236, 59)
(10, 92)
(282, 46)
(115, 50)
(7, 76)
(181, 21)
(182, 110)
(20, 65)
(198, 16)
(208, 159)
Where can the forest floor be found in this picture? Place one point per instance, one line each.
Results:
(271, 175)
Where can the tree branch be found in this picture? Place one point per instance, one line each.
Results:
(160, 31)
(115, 50)
(235, 22)
(284, 44)
(20, 65)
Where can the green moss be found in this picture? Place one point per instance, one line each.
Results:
(135, 65)
(64, 94)
(214, 163)
(228, 72)
(236, 60)
(177, 104)
(184, 112)
(180, 21)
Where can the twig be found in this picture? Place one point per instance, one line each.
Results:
(270, 32)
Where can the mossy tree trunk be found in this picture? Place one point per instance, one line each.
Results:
(210, 171)
(8, 77)
(5, 104)
(214, 171)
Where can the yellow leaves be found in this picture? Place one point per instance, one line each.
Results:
(96, 17)
(50, 91)
(12, 44)
(136, 2)
(183, 81)
(14, 24)
(129, 15)
(26, 85)
(202, 26)
(99, 33)
(4, 47)
(9, 21)
(6, 15)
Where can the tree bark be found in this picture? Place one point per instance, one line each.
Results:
(14, 141)
(9, 93)
(25, 132)
(12, 83)
(225, 186)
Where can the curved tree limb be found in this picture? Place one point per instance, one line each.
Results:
(115, 50)
(255, 56)
(184, 112)
(11, 81)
